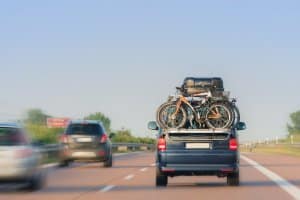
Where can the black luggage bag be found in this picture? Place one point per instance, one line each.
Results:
(192, 85)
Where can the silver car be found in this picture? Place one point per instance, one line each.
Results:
(19, 160)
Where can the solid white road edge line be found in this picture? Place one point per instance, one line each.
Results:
(107, 188)
(281, 182)
(130, 176)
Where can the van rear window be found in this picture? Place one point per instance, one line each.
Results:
(84, 129)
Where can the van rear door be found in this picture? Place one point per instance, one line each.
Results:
(198, 147)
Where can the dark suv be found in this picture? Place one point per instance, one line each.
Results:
(197, 152)
(85, 140)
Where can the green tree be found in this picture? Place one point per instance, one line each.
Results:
(294, 127)
(126, 136)
(36, 116)
(100, 117)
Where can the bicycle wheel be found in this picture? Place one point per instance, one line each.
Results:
(237, 116)
(235, 113)
(218, 116)
(166, 117)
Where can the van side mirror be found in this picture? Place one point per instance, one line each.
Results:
(241, 126)
(152, 125)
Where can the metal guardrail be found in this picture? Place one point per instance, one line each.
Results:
(52, 150)
(134, 146)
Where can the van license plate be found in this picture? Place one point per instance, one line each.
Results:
(197, 145)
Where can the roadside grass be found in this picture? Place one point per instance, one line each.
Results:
(296, 139)
(283, 150)
(286, 151)
(283, 147)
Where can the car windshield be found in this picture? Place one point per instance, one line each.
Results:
(84, 129)
(12, 137)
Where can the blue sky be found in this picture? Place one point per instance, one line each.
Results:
(124, 58)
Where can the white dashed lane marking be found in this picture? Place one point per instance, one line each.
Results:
(107, 188)
(144, 169)
(129, 177)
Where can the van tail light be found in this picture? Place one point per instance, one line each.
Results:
(103, 138)
(233, 144)
(161, 144)
(63, 138)
(168, 169)
(227, 170)
(23, 153)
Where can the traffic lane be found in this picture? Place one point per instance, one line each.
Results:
(254, 185)
(285, 166)
(71, 182)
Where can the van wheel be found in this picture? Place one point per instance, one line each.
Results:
(161, 180)
(233, 179)
(108, 162)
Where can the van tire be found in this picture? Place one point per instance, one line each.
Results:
(233, 179)
(161, 180)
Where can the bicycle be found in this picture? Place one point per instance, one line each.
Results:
(201, 110)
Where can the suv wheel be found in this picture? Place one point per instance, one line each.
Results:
(108, 162)
(161, 180)
(233, 179)
(64, 163)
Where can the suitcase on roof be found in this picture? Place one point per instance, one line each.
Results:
(192, 85)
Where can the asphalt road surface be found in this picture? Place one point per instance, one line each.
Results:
(133, 177)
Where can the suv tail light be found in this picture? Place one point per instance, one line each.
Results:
(103, 138)
(161, 144)
(233, 144)
(63, 138)
(23, 153)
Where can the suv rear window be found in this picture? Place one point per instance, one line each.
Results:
(12, 137)
(84, 129)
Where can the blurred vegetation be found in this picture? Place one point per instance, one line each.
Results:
(36, 124)
(43, 134)
(294, 127)
(127, 137)
(36, 116)
(100, 117)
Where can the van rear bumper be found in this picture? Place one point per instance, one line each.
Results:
(197, 169)
(220, 163)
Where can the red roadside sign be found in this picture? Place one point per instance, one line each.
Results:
(57, 122)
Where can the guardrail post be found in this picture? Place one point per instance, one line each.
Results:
(292, 139)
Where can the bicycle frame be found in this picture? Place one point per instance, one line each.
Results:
(183, 100)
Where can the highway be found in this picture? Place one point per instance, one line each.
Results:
(133, 176)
